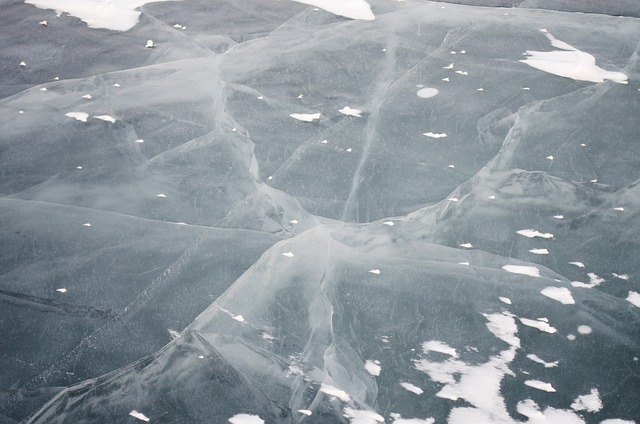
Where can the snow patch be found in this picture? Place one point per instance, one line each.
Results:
(540, 325)
(117, 15)
(534, 233)
(589, 403)
(522, 269)
(634, 298)
(438, 346)
(561, 294)
(335, 392)
(351, 112)
(412, 388)
(80, 116)
(427, 92)
(246, 419)
(139, 415)
(571, 63)
(537, 359)
(373, 367)
(306, 117)
(540, 385)
(352, 9)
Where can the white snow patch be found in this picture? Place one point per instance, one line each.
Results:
(62, 290)
(375, 271)
(540, 385)
(350, 112)
(412, 388)
(589, 403)
(617, 421)
(534, 233)
(522, 269)
(238, 318)
(445, 79)
(504, 327)
(107, 118)
(464, 263)
(246, 419)
(558, 216)
(306, 117)
(389, 223)
(466, 245)
(578, 264)
(621, 276)
(427, 92)
(594, 280)
(335, 392)
(435, 135)
(353, 9)
(373, 367)
(462, 72)
(400, 420)
(540, 325)
(571, 63)
(117, 15)
(139, 415)
(80, 116)
(618, 209)
(537, 359)
(571, 337)
(505, 300)
(449, 67)
(438, 346)
(149, 44)
(362, 416)
(288, 254)
(634, 298)
(139, 141)
(561, 294)
(305, 412)
(86, 224)
(539, 251)
(87, 96)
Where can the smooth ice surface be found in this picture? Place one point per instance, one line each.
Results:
(291, 212)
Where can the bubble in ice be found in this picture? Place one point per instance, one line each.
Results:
(427, 92)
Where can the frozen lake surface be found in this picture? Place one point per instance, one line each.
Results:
(322, 211)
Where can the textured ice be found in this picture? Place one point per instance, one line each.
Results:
(232, 245)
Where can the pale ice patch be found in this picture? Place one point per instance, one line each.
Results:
(550, 157)
(350, 112)
(375, 271)
(561, 294)
(161, 195)
(373, 367)
(139, 141)
(539, 251)
(578, 264)
(445, 79)
(619, 209)
(389, 223)
(453, 199)
(238, 318)
(107, 118)
(288, 254)
(534, 233)
(584, 329)
(540, 385)
(466, 245)
(246, 419)
(438, 346)
(335, 392)
(617, 421)
(427, 92)
(117, 15)
(412, 388)
(87, 96)
(558, 216)
(634, 298)
(86, 224)
(450, 66)
(139, 415)
(589, 403)
(464, 263)
(149, 44)
(522, 269)
(462, 72)
(571, 63)
(80, 116)
(505, 300)
(435, 135)
(537, 359)
(540, 325)
(305, 412)
(61, 290)
(306, 117)
(353, 9)
(362, 416)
